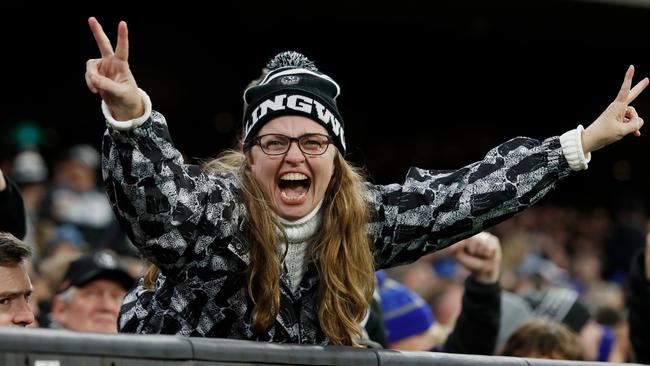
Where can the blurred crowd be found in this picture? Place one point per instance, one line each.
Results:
(568, 277)
(81, 263)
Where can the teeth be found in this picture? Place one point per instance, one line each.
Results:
(288, 198)
(293, 176)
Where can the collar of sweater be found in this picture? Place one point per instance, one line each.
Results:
(304, 228)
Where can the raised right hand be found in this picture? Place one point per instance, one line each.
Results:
(481, 255)
(110, 75)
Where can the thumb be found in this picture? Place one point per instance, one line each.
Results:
(633, 125)
(104, 84)
(459, 247)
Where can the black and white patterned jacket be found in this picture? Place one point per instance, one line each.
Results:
(189, 223)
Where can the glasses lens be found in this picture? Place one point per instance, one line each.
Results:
(313, 144)
(274, 144)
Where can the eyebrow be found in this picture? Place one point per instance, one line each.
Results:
(16, 293)
(301, 135)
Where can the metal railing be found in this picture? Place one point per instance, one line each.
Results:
(46, 347)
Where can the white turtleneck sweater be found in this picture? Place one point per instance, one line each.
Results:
(299, 233)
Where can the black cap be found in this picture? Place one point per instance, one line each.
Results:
(99, 265)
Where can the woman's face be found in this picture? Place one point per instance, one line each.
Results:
(295, 182)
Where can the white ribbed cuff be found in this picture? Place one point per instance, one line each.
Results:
(571, 142)
(130, 124)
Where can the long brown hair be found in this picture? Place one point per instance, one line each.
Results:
(341, 250)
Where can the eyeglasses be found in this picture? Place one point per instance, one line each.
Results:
(276, 144)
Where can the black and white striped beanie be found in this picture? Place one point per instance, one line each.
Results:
(293, 86)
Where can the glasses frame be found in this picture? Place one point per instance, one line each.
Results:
(258, 141)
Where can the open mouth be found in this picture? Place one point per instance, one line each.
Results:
(294, 187)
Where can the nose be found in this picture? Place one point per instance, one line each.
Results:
(113, 301)
(23, 315)
(294, 155)
(110, 302)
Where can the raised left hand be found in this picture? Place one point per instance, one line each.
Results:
(618, 120)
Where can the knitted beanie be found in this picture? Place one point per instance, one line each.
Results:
(293, 86)
(405, 313)
(561, 305)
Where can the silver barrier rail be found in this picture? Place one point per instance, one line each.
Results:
(47, 347)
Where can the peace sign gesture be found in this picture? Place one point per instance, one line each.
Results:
(110, 75)
(618, 120)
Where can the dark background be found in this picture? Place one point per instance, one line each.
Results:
(426, 83)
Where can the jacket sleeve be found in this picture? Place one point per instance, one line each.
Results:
(12, 210)
(434, 209)
(638, 301)
(477, 325)
(170, 210)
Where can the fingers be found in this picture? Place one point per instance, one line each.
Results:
(637, 131)
(103, 43)
(483, 245)
(633, 122)
(122, 48)
(91, 69)
(477, 248)
(102, 83)
(472, 263)
(630, 112)
(627, 83)
(630, 116)
(89, 83)
(638, 88)
(626, 94)
(459, 246)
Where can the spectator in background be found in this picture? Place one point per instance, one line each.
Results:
(514, 312)
(12, 210)
(30, 173)
(65, 238)
(65, 244)
(638, 301)
(564, 306)
(90, 296)
(15, 285)
(51, 270)
(544, 338)
(625, 238)
(411, 324)
(75, 197)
